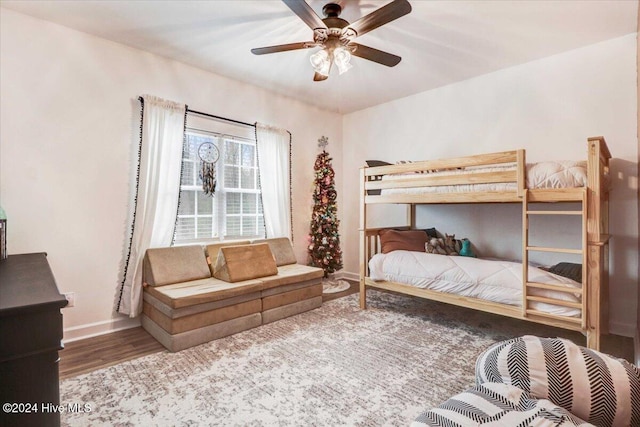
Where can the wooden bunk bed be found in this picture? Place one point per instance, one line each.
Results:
(593, 200)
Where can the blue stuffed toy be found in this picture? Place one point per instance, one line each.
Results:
(466, 249)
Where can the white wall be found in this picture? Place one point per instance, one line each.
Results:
(68, 142)
(549, 107)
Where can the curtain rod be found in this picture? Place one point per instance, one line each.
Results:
(238, 122)
(223, 135)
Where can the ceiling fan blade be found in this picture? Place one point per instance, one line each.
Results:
(281, 48)
(306, 13)
(379, 17)
(375, 55)
(317, 77)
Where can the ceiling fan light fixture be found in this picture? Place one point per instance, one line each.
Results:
(321, 62)
(335, 35)
(342, 58)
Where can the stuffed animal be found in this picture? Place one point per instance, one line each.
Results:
(435, 245)
(466, 249)
(441, 246)
(452, 245)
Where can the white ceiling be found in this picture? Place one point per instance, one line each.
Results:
(440, 42)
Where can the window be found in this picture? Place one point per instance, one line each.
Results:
(235, 210)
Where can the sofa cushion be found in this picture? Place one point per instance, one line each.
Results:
(290, 297)
(293, 273)
(594, 386)
(497, 404)
(266, 292)
(244, 262)
(164, 266)
(177, 342)
(177, 313)
(292, 309)
(281, 249)
(200, 320)
(201, 291)
(214, 249)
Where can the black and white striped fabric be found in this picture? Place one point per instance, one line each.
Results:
(497, 404)
(591, 385)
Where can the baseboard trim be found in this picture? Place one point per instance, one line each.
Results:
(622, 329)
(95, 329)
(347, 275)
(120, 323)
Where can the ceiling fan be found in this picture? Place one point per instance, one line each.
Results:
(335, 36)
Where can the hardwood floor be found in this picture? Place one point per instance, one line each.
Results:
(87, 355)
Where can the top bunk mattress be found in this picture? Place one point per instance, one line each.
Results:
(542, 175)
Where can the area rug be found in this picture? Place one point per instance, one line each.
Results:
(337, 365)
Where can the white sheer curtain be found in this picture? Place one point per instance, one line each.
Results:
(158, 188)
(275, 179)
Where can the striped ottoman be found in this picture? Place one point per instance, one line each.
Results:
(591, 385)
(497, 405)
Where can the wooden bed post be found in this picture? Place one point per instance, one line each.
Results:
(411, 215)
(522, 171)
(525, 252)
(364, 256)
(598, 242)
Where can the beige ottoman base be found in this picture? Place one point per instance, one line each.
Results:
(177, 342)
(278, 313)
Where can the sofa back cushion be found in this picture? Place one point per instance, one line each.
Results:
(164, 266)
(244, 262)
(214, 249)
(281, 249)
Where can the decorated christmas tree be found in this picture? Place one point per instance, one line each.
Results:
(324, 240)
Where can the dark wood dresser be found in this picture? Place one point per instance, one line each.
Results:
(30, 337)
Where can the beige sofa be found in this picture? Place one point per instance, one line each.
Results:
(193, 295)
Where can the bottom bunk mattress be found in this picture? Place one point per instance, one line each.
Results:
(490, 280)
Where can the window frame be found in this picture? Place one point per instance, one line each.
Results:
(219, 215)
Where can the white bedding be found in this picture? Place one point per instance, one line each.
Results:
(497, 281)
(552, 174)
(557, 174)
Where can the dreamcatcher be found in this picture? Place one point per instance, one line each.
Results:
(209, 155)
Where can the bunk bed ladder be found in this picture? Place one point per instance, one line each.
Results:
(527, 297)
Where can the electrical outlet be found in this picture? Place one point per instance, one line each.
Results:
(71, 297)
